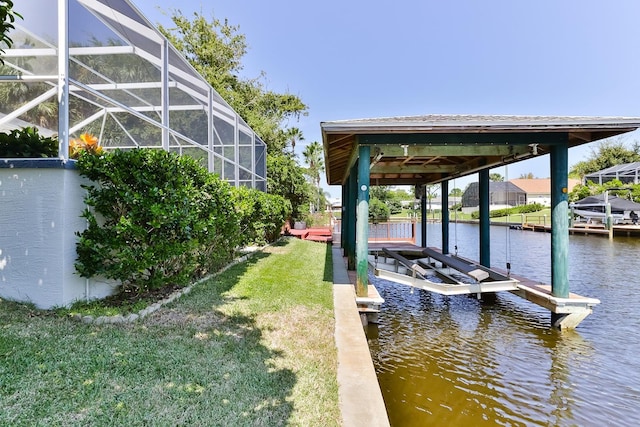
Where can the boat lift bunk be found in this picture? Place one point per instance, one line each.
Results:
(418, 268)
(415, 267)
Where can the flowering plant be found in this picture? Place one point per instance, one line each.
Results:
(86, 143)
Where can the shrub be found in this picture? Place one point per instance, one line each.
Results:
(156, 218)
(378, 211)
(395, 206)
(533, 207)
(27, 143)
(261, 215)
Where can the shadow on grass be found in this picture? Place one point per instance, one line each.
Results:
(201, 360)
(328, 264)
(245, 373)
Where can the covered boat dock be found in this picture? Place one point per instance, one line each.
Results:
(432, 149)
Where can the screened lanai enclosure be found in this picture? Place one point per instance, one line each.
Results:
(114, 75)
(628, 173)
(98, 67)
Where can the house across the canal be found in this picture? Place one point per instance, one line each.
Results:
(515, 192)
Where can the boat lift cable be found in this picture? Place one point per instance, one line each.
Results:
(507, 248)
(455, 225)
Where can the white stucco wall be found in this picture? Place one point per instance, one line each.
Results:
(40, 212)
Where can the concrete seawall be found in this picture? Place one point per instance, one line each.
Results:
(361, 402)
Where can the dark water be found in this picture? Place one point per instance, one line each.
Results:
(457, 361)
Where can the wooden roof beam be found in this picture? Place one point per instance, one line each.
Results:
(450, 150)
(386, 169)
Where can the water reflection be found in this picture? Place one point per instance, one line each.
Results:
(459, 361)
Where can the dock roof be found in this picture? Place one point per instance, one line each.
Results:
(429, 149)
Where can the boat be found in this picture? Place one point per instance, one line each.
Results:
(595, 208)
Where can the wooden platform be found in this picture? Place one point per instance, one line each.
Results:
(318, 234)
(593, 228)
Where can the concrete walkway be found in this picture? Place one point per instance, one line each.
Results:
(361, 402)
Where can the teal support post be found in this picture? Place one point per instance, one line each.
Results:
(345, 219)
(343, 215)
(423, 216)
(559, 221)
(444, 190)
(351, 215)
(362, 223)
(485, 237)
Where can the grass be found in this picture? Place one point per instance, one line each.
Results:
(532, 217)
(253, 346)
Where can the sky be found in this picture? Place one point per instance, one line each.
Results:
(355, 59)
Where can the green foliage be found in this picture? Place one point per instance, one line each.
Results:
(395, 206)
(7, 18)
(261, 215)
(392, 199)
(533, 207)
(402, 195)
(313, 157)
(591, 189)
(579, 192)
(607, 153)
(378, 211)
(456, 192)
(215, 49)
(286, 179)
(156, 218)
(496, 177)
(380, 192)
(27, 143)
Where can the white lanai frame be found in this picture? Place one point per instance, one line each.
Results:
(113, 74)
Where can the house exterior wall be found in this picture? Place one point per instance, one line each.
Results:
(40, 215)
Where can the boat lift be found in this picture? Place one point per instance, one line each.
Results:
(459, 276)
(415, 268)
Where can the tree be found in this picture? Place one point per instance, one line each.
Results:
(496, 177)
(529, 175)
(313, 156)
(7, 18)
(378, 211)
(401, 195)
(294, 135)
(215, 49)
(285, 178)
(380, 192)
(456, 192)
(605, 154)
(431, 192)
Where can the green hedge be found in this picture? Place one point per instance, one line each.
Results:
(261, 215)
(27, 143)
(533, 207)
(155, 218)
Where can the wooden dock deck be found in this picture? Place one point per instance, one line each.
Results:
(589, 229)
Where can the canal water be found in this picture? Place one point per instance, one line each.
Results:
(457, 361)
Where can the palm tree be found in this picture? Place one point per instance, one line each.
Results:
(313, 156)
(294, 135)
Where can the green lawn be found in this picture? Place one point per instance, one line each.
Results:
(532, 217)
(253, 346)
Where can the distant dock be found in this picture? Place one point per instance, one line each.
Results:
(623, 230)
